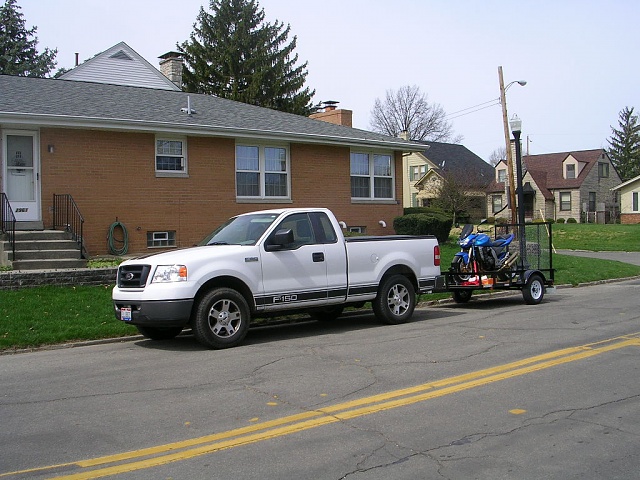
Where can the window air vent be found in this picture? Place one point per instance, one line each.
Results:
(121, 55)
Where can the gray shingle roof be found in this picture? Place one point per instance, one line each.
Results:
(51, 102)
(459, 161)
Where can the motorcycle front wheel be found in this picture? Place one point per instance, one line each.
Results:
(461, 271)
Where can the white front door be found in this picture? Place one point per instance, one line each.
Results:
(21, 175)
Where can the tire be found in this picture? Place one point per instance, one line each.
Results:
(533, 291)
(461, 272)
(221, 319)
(159, 333)
(396, 300)
(327, 314)
(461, 296)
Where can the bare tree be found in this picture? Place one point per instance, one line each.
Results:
(408, 110)
(498, 154)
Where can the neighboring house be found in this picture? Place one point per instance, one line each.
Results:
(629, 200)
(426, 170)
(171, 165)
(561, 185)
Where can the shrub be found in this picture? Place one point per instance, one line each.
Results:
(560, 220)
(491, 220)
(424, 224)
(424, 210)
(571, 220)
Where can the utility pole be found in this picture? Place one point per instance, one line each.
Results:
(507, 140)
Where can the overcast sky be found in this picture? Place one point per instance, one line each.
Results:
(580, 58)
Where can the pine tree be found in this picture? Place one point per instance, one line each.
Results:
(18, 46)
(232, 53)
(625, 145)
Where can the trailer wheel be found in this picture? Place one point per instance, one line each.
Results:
(395, 301)
(221, 318)
(461, 296)
(533, 291)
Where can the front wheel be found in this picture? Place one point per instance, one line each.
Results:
(221, 319)
(396, 300)
(462, 272)
(159, 333)
(533, 291)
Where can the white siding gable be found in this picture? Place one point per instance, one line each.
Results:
(120, 65)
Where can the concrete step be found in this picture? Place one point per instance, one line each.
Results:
(54, 264)
(31, 245)
(42, 254)
(36, 235)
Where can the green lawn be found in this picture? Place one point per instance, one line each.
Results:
(580, 236)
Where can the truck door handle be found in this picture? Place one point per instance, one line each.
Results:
(318, 257)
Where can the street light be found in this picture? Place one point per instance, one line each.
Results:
(507, 139)
(516, 128)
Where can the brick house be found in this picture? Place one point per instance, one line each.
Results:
(561, 185)
(425, 171)
(629, 192)
(171, 166)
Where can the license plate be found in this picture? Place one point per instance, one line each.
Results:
(125, 314)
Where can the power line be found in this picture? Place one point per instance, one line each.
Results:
(476, 108)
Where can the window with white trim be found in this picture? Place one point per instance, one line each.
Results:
(372, 176)
(634, 202)
(496, 203)
(570, 171)
(262, 171)
(171, 156)
(565, 201)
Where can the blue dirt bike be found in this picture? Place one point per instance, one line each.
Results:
(480, 255)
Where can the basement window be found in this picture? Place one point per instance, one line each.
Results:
(161, 239)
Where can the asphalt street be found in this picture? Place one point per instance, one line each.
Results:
(490, 389)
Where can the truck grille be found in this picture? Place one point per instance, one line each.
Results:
(133, 276)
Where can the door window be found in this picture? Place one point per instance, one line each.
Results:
(20, 171)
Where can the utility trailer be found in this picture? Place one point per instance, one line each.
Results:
(528, 269)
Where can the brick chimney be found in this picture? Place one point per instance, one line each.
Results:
(329, 113)
(171, 67)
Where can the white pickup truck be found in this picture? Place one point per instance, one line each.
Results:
(273, 261)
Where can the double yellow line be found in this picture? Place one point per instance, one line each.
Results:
(173, 452)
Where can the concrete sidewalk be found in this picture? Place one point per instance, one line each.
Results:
(624, 257)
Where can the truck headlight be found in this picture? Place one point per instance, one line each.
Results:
(169, 273)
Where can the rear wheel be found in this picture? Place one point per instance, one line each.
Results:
(396, 300)
(159, 333)
(222, 319)
(533, 291)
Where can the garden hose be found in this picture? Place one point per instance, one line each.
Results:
(112, 241)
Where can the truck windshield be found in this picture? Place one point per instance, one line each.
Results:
(241, 230)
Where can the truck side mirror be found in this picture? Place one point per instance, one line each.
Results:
(279, 240)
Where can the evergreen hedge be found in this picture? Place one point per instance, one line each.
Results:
(438, 224)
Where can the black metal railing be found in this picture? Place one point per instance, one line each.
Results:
(8, 222)
(67, 216)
